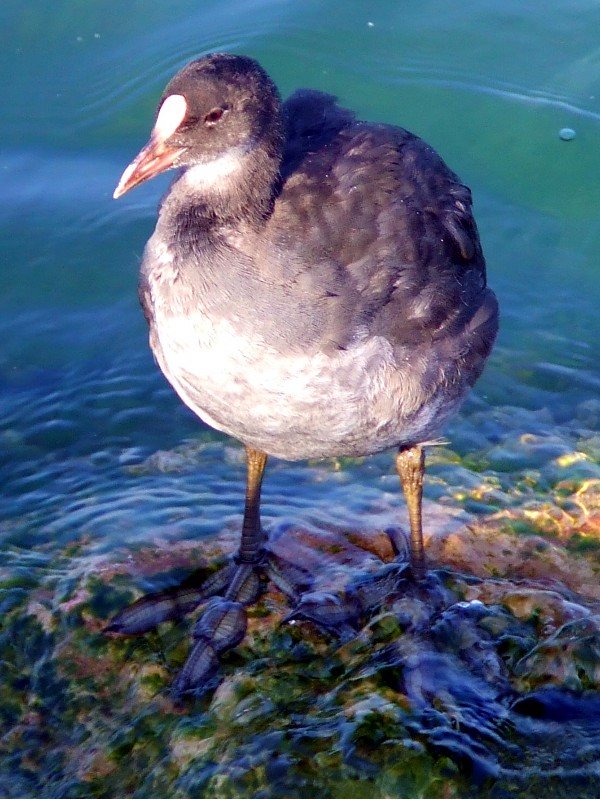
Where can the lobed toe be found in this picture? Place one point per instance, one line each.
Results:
(222, 625)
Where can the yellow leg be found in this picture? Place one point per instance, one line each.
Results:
(410, 464)
(252, 536)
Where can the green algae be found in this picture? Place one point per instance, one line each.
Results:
(295, 715)
(416, 703)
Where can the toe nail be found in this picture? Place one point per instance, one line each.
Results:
(112, 627)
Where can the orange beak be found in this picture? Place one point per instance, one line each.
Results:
(155, 157)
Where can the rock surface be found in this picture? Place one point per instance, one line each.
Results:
(446, 689)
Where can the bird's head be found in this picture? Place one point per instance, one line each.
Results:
(211, 114)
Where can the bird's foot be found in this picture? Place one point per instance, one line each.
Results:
(220, 628)
(342, 614)
(223, 623)
(392, 589)
(171, 604)
(403, 582)
(416, 569)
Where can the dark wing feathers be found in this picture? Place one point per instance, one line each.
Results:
(312, 120)
(385, 225)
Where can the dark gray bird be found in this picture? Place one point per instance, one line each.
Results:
(315, 287)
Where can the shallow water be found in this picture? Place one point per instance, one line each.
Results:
(98, 453)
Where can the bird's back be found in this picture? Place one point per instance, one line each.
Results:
(371, 229)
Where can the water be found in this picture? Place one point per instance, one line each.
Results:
(84, 411)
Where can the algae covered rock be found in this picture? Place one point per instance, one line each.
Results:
(425, 694)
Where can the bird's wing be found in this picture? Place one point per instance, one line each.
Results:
(374, 229)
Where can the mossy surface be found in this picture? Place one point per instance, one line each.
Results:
(419, 702)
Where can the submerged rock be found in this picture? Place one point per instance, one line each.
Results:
(439, 689)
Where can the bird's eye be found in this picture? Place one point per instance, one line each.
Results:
(214, 116)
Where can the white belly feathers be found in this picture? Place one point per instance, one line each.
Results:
(290, 404)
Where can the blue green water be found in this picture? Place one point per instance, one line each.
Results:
(82, 406)
(488, 84)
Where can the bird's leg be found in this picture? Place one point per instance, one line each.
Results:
(244, 584)
(250, 551)
(410, 465)
(341, 615)
(223, 623)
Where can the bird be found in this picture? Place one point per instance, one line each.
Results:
(315, 287)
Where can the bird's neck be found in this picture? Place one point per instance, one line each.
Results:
(236, 188)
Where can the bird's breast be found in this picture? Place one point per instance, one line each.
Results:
(291, 401)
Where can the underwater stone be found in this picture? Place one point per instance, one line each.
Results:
(567, 134)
